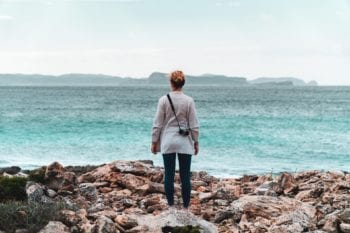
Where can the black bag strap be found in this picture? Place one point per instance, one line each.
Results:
(172, 107)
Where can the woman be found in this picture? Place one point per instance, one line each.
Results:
(166, 126)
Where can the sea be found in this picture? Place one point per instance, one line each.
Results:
(243, 129)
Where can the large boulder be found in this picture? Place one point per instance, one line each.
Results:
(174, 218)
(269, 212)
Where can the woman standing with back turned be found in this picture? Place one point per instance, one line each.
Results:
(175, 131)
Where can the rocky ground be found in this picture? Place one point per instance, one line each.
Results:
(128, 196)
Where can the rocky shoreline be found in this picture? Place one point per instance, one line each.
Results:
(128, 196)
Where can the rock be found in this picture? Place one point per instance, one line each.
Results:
(345, 227)
(196, 207)
(88, 190)
(105, 225)
(267, 188)
(127, 202)
(111, 214)
(138, 229)
(21, 231)
(69, 181)
(105, 189)
(345, 215)
(58, 179)
(203, 197)
(19, 174)
(221, 202)
(292, 213)
(337, 174)
(54, 176)
(51, 193)
(222, 215)
(101, 184)
(5, 174)
(96, 207)
(125, 221)
(134, 167)
(248, 178)
(69, 218)
(309, 195)
(312, 201)
(155, 188)
(197, 183)
(96, 174)
(331, 223)
(180, 218)
(287, 183)
(85, 226)
(55, 227)
(35, 193)
(10, 170)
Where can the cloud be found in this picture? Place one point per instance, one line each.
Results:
(6, 17)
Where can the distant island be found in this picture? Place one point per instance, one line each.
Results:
(156, 78)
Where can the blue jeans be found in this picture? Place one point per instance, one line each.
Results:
(185, 176)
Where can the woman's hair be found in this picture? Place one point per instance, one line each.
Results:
(177, 79)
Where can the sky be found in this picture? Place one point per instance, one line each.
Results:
(308, 39)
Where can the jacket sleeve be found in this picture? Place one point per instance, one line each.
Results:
(193, 122)
(158, 121)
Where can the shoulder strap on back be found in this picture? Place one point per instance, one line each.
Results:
(172, 107)
(171, 103)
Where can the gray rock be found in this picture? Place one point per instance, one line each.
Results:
(203, 197)
(35, 193)
(21, 231)
(88, 190)
(345, 227)
(267, 188)
(138, 229)
(55, 227)
(222, 215)
(172, 219)
(221, 202)
(51, 193)
(105, 225)
(127, 202)
(96, 208)
(345, 215)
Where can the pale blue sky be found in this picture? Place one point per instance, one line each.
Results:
(309, 39)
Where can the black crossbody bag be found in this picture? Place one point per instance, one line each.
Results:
(183, 132)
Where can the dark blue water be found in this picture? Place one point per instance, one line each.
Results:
(244, 130)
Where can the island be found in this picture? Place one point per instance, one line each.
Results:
(154, 79)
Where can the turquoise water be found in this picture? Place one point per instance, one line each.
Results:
(244, 130)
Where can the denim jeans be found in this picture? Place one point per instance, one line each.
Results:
(185, 176)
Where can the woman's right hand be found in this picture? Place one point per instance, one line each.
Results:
(154, 147)
(196, 148)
